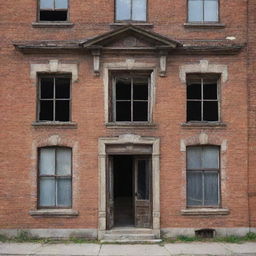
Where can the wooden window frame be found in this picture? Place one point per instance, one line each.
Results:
(55, 178)
(130, 20)
(204, 21)
(54, 76)
(203, 171)
(55, 21)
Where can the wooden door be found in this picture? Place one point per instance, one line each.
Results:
(142, 195)
(110, 193)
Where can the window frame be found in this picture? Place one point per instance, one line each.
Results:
(52, 21)
(203, 171)
(54, 176)
(130, 20)
(112, 95)
(53, 75)
(203, 21)
(202, 77)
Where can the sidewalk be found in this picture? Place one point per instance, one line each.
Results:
(195, 248)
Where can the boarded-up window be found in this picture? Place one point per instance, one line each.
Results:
(55, 177)
(203, 176)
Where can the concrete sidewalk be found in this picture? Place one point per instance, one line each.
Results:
(195, 248)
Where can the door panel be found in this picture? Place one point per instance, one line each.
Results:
(110, 193)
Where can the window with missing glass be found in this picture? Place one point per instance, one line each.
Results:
(203, 176)
(130, 10)
(53, 10)
(55, 177)
(203, 11)
(54, 98)
(203, 98)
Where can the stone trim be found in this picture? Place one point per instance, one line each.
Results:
(61, 125)
(52, 24)
(129, 139)
(205, 211)
(205, 25)
(204, 67)
(54, 213)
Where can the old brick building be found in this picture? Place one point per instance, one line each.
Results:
(127, 116)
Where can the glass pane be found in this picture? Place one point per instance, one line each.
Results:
(46, 4)
(62, 88)
(63, 161)
(210, 157)
(195, 10)
(140, 88)
(61, 4)
(194, 158)
(211, 188)
(139, 10)
(143, 180)
(140, 111)
(210, 90)
(47, 161)
(62, 110)
(194, 188)
(211, 10)
(123, 89)
(46, 88)
(123, 9)
(47, 192)
(194, 111)
(123, 111)
(64, 192)
(210, 111)
(194, 91)
(46, 110)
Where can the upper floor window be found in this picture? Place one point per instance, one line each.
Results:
(202, 98)
(203, 11)
(131, 10)
(53, 10)
(54, 98)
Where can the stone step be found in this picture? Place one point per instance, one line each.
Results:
(129, 231)
(133, 237)
(130, 241)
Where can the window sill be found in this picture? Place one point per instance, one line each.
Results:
(205, 25)
(68, 213)
(140, 24)
(204, 125)
(64, 125)
(52, 24)
(204, 211)
(126, 125)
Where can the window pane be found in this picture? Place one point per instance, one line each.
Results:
(194, 157)
(194, 91)
(194, 188)
(63, 192)
(139, 10)
(53, 15)
(143, 180)
(46, 110)
(210, 111)
(63, 161)
(61, 4)
(140, 88)
(123, 89)
(46, 4)
(210, 157)
(47, 192)
(62, 88)
(140, 111)
(210, 91)
(195, 10)
(123, 111)
(211, 188)
(46, 88)
(123, 9)
(211, 10)
(194, 111)
(62, 110)
(47, 161)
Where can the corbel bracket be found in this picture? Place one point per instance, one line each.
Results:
(163, 62)
(96, 51)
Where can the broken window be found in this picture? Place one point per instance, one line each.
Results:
(55, 178)
(130, 98)
(53, 10)
(202, 98)
(54, 98)
(203, 11)
(203, 176)
(131, 10)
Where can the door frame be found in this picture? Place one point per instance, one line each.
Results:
(128, 141)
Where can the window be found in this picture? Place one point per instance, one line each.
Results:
(202, 98)
(203, 176)
(130, 98)
(54, 98)
(53, 10)
(203, 11)
(55, 179)
(131, 10)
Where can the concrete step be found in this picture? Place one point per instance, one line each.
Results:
(134, 237)
(129, 241)
(129, 231)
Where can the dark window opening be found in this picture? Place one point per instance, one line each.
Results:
(53, 15)
(205, 233)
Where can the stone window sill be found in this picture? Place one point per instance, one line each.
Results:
(126, 125)
(204, 211)
(204, 25)
(204, 125)
(52, 24)
(140, 24)
(62, 125)
(68, 213)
